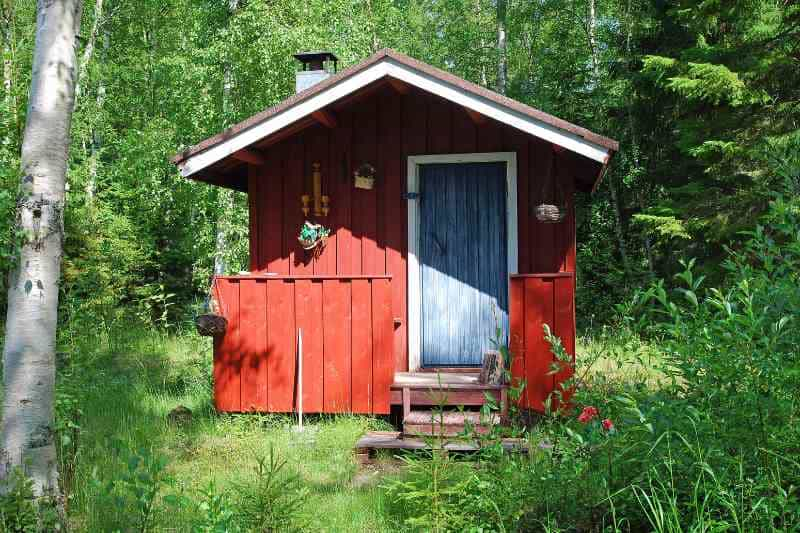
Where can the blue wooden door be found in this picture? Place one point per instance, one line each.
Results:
(463, 261)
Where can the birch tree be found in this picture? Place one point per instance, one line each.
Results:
(29, 351)
(502, 44)
(226, 199)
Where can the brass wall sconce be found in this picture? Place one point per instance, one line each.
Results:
(322, 202)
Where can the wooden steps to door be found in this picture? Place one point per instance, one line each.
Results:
(448, 423)
(371, 442)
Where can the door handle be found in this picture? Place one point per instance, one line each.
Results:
(442, 247)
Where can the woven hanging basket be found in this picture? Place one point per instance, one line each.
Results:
(210, 325)
(549, 213)
(551, 210)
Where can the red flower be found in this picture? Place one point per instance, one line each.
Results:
(587, 414)
(608, 425)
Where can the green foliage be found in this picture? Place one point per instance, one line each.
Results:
(216, 513)
(313, 232)
(21, 512)
(136, 487)
(271, 501)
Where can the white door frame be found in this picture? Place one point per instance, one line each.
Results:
(414, 277)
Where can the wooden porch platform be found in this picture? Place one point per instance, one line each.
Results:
(444, 388)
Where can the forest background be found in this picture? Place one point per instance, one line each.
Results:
(704, 97)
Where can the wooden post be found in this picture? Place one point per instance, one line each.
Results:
(406, 402)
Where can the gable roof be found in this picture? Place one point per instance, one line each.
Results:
(388, 63)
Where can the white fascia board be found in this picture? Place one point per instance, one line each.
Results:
(499, 112)
(277, 122)
(388, 67)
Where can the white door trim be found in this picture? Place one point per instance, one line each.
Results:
(414, 278)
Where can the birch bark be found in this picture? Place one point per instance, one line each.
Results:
(29, 352)
(225, 195)
(502, 47)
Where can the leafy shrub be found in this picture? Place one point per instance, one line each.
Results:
(21, 512)
(135, 490)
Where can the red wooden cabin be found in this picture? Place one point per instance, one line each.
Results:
(418, 270)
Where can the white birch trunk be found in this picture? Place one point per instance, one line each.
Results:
(225, 196)
(29, 351)
(502, 47)
(88, 51)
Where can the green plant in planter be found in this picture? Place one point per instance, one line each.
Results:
(312, 234)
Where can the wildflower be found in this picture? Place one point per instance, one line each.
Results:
(608, 425)
(587, 414)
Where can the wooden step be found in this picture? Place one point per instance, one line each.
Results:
(447, 423)
(372, 441)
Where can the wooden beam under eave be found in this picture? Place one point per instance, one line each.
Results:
(475, 117)
(325, 117)
(247, 155)
(399, 86)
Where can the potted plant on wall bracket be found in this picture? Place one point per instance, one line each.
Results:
(212, 322)
(313, 236)
(552, 208)
(364, 177)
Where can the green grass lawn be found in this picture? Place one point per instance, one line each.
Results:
(128, 382)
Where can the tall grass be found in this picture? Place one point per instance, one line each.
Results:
(117, 388)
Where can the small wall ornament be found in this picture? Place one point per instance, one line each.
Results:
(313, 236)
(321, 202)
(364, 177)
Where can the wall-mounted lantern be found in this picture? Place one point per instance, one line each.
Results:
(322, 202)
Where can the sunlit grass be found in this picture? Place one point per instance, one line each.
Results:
(138, 377)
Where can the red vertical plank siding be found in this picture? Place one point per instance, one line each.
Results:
(538, 311)
(227, 353)
(382, 366)
(253, 175)
(439, 133)
(308, 309)
(464, 132)
(362, 346)
(365, 213)
(253, 342)
(394, 217)
(273, 254)
(415, 125)
(566, 233)
(336, 323)
(518, 142)
(281, 337)
(317, 151)
(490, 136)
(341, 155)
(294, 187)
(516, 328)
(564, 325)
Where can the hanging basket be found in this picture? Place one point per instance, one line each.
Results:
(549, 213)
(210, 325)
(313, 236)
(364, 177)
(308, 244)
(552, 209)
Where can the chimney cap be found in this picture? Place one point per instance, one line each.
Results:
(315, 59)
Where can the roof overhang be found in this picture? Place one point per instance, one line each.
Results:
(392, 65)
